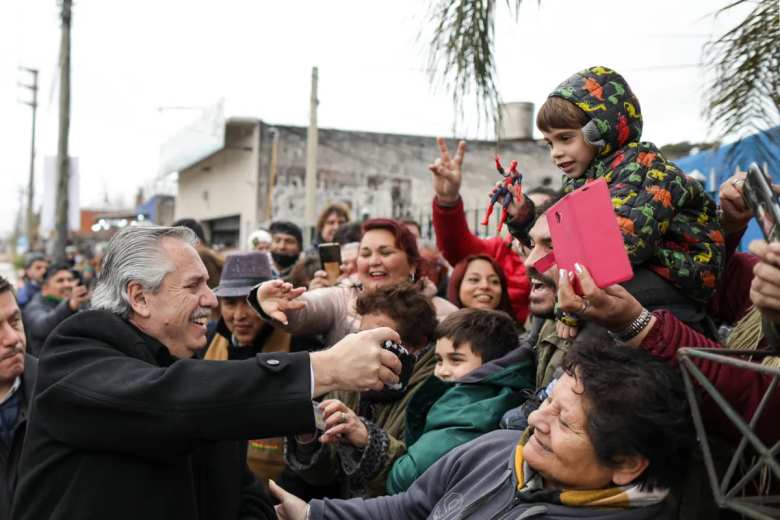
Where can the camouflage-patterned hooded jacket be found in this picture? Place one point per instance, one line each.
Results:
(668, 220)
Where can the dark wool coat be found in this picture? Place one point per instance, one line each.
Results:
(121, 429)
(668, 220)
(41, 316)
(10, 455)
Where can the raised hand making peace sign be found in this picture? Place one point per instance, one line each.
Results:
(447, 175)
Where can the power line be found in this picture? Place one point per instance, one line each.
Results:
(665, 67)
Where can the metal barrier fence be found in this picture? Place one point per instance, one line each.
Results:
(727, 495)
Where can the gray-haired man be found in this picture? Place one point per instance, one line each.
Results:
(125, 426)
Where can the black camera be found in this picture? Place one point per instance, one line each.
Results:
(407, 364)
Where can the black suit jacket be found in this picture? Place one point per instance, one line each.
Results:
(121, 429)
(9, 456)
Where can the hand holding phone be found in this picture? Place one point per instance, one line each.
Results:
(762, 201)
(330, 257)
(80, 296)
(584, 230)
(319, 422)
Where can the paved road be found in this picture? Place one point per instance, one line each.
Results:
(8, 272)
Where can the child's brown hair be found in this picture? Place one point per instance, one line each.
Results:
(491, 334)
(558, 112)
(406, 305)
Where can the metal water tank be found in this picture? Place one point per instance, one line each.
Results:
(516, 121)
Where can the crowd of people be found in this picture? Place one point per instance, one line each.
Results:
(444, 379)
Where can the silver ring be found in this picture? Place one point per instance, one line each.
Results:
(735, 181)
(585, 304)
(344, 417)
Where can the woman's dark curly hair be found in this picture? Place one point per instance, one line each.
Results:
(403, 303)
(636, 406)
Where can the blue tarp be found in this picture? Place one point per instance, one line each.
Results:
(751, 149)
(148, 209)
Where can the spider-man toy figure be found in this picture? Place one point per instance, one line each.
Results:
(513, 177)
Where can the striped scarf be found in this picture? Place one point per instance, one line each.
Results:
(614, 498)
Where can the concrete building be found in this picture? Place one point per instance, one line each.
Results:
(376, 175)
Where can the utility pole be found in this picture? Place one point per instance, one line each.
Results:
(269, 208)
(17, 225)
(63, 161)
(31, 183)
(312, 142)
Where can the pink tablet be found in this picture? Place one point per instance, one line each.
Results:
(584, 230)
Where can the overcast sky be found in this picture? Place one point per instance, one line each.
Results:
(131, 58)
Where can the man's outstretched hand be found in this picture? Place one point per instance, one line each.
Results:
(357, 363)
(447, 176)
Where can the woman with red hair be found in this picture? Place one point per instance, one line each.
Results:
(388, 254)
(479, 282)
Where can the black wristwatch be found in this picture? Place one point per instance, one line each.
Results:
(634, 329)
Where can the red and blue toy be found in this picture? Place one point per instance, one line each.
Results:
(514, 177)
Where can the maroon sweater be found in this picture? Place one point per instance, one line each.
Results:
(741, 388)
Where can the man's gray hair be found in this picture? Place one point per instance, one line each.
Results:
(135, 254)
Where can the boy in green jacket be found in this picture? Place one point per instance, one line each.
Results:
(481, 369)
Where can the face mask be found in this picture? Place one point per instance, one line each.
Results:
(78, 259)
(284, 261)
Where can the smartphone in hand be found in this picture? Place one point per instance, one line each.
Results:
(319, 422)
(762, 201)
(330, 258)
(77, 276)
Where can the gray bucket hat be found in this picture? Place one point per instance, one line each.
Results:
(241, 272)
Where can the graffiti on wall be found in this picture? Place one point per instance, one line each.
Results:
(373, 195)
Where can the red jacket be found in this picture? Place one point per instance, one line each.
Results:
(732, 301)
(456, 242)
(741, 388)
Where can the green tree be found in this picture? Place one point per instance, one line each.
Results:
(461, 51)
(744, 96)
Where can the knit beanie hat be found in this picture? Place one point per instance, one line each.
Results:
(286, 227)
(259, 236)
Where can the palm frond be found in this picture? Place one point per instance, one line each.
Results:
(460, 53)
(744, 95)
